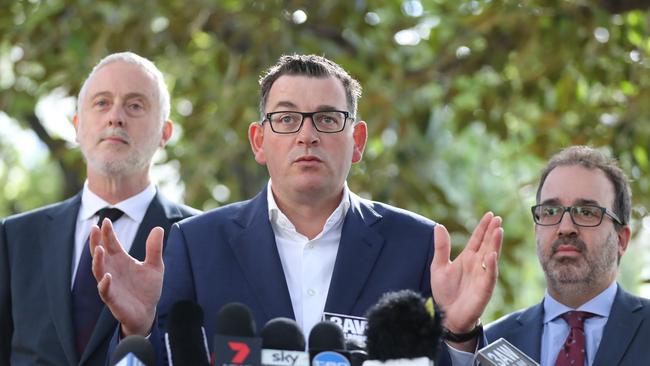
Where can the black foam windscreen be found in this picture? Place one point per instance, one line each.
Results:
(185, 336)
(235, 319)
(136, 345)
(400, 326)
(326, 336)
(283, 334)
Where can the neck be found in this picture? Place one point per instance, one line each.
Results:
(117, 188)
(308, 214)
(575, 295)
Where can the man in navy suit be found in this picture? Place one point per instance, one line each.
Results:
(582, 230)
(50, 310)
(306, 244)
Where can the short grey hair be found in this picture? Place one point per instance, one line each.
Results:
(146, 65)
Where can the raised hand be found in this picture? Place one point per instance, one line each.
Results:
(130, 288)
(464, 286)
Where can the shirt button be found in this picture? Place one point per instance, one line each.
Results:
(310, 246)
(311, 292)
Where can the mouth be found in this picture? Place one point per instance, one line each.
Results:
(309, 159)
(567, 250)
(114, 140)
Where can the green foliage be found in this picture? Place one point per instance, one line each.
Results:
(464, 100)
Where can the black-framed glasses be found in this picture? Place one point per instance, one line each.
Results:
(286, 122)
(584, 215)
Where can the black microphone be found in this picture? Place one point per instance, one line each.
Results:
(502, 352)
(283, 344)
(133, 350)
(356, 350)
(327, 345)
(235, 342)
(403, 326)
(185, 339)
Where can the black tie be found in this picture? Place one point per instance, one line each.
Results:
(86, 303)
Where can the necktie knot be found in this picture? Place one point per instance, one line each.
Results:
(111, 213)
(576, 319)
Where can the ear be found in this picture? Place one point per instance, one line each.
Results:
(256, 139)
(168, 130)
(623, 239)
(360, 136)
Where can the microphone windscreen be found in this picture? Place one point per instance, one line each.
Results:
(326, 336)
(282, 334)
(235, 319)
(136, 345)
(185, 338)
(400, 326)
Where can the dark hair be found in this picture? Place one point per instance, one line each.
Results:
(591, 158)
(313, 66)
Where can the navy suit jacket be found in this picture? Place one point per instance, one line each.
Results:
(35, 276)
(626, 336)
(230, 255)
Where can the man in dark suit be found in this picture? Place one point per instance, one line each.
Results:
(50, 310)
(307, 244)
(582, 229)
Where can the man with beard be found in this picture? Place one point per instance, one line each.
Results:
(582, 229)
(50, 310)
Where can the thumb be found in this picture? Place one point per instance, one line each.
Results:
(154, 247)
(442, 246)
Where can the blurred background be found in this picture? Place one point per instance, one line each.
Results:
(465, 101)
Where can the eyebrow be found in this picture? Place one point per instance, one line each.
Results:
(579, 201)
(131, 95)
(289, 104)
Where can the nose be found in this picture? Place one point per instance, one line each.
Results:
(308, 134)
(566, 225)
(117, 116)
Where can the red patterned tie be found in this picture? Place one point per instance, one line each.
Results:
(573, 350)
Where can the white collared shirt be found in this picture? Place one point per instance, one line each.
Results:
(125, 228)
(308, 264)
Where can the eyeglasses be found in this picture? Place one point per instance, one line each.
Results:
(285, 122)
(586, 215)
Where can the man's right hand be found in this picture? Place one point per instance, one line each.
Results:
(130, 288)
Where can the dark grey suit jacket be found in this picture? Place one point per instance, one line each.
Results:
(35, 273)
(626, 337)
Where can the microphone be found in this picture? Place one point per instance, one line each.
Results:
(327, 345)
(235, 343)
(357, 351)
(283, 344)
(403, 326)
(185, 339)
(133, 350)
(502, 353)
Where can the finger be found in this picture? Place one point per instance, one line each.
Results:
(442, 246)
(476, 239)
(98, 263)
(110, 242)
(492, 269)
(154, 247)
(94, 239)
(103, 287)
(493, 236)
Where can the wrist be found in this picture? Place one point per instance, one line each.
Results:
(461, 337)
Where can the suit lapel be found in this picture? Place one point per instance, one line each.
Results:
(57, 250)
(159, 213)
(528, 336)
(624, 319)
(358, 250)
(257, 254)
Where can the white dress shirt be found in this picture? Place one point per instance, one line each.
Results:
(308, 264)
(125, 228)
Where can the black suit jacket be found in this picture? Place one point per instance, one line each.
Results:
(626, 337)
(35, 272)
